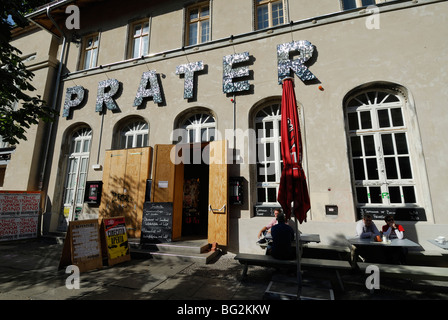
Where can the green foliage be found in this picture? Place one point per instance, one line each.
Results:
(15, 80)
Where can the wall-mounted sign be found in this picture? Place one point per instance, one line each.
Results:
(162, 184)
(19, 215)
(92, 195)
(151, 88)
(399, 213)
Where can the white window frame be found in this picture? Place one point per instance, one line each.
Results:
(359, 4)
(90, 61)
(269, 162)
(269, 4)
(142, 50)
(199, 21)
(132, 132)
(77, 169)
(363, 104)
(199, 127)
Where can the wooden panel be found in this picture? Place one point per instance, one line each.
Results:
(178, 200)
(124, 186)
(164, 171)
(168, 184)
(137, 172)
(113, 182)
(145, 174)
(218, 214)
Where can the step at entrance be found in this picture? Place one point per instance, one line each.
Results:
(188, 250)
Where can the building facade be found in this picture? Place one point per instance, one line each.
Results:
(179, 102)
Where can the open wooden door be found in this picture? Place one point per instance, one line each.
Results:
(218, 208)
(168, 183)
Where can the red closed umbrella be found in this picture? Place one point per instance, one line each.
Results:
(293, 192)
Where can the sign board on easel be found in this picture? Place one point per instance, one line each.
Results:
(115, 240)
(82, 246)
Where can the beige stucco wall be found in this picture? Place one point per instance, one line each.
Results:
(407, 51)
(24, 169)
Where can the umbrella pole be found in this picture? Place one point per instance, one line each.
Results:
(299, 272)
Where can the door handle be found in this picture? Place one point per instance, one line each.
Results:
(223, 209)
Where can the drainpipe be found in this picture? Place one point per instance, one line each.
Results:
(53, 106)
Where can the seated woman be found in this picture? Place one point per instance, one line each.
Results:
(394, 255)
(391, 229)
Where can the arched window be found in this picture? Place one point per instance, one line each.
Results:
(269, 160)
(77, 167)
(134, 134)
(200, 127)
(381, 160)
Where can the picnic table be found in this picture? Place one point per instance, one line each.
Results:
(440, 245)
(304, 238)
(367, 242)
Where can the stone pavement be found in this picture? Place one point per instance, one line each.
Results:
(29, 271)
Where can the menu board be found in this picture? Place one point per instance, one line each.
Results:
(157, 222)
(264, 211)
(399, 213)
(115, 240)
(19, 215)
(82, 246)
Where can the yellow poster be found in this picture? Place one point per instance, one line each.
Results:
(116, 237)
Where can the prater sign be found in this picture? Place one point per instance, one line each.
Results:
(150, 88)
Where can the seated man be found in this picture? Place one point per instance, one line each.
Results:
(282, 236)
(365, 228)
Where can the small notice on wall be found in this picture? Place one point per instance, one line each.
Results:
(19, 215)
(82, 246)
(115, 239)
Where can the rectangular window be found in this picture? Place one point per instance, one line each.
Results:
(268, 13)
(90, 56)
(352, 4)
(139, 39)
(198, 24)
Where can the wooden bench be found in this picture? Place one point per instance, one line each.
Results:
(248, 259)
(408, 271)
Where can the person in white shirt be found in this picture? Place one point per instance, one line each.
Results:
(366, 228)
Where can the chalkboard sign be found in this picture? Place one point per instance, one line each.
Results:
(157, 222)
(401, 214)
(265, 211)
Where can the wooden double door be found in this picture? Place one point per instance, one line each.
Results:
(125, 176)
(170, 163)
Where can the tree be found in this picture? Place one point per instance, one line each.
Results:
(15, 79)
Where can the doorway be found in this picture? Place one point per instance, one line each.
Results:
(195, 198)
(168, 185)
